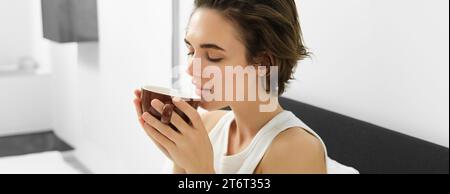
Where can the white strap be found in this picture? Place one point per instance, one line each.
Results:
(284, 121)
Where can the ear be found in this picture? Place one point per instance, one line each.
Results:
(264, 60)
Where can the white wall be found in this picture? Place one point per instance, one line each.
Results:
(93, 100)
(184, 81)
(21, 32)
(16, 29)
(24, 104)
(24, 98)
(385, 62)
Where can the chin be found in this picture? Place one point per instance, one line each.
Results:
(212, 106)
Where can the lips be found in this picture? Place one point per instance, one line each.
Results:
(199, 91)
(199, 87)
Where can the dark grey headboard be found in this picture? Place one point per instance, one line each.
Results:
(369, 148)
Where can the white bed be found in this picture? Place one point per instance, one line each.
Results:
(40, 163)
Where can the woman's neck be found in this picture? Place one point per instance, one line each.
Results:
(249, 119)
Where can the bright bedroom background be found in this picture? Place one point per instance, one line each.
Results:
(384, 62)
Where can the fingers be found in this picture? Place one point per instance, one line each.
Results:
(137, 106)
(160, 141)
(159, 138)
(166, 113)
(175, 119)
(159, 145)
(144, 126)
(165, 130)
(137, 102)
(138, 93)
(190, 112)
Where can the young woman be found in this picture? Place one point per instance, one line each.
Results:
(243, 33)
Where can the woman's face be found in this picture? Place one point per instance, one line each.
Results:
(214, 41)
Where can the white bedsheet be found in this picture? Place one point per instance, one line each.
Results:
(40, 163)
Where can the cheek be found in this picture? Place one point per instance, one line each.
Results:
(223, 79)
(233, 80)
(207, 71)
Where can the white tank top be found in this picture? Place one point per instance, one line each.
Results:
(246, 161)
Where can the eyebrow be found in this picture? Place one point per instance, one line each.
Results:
(206, 46)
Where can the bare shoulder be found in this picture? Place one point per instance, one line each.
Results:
(294, 151)
(210, 119)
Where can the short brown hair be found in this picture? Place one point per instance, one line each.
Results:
(268, 27)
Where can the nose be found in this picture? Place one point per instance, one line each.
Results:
(195, 67)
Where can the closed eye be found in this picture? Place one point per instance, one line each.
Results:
(215, 60)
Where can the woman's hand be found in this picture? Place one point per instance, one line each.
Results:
(137, 104)
(190, 148)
